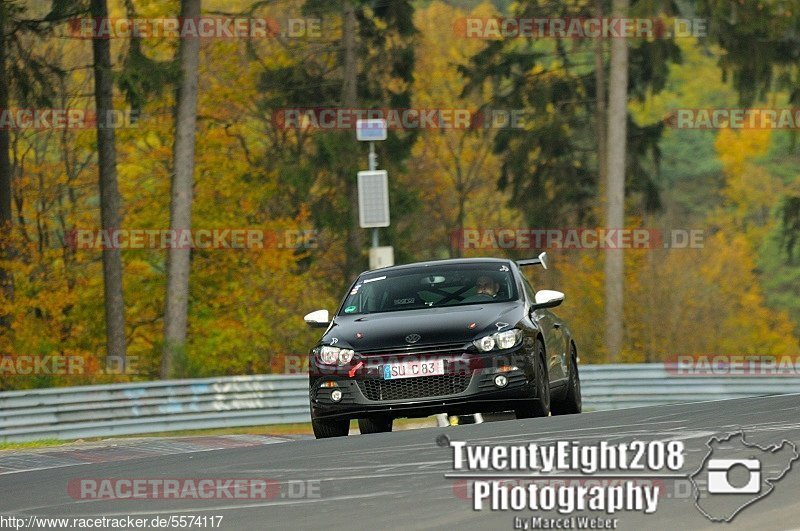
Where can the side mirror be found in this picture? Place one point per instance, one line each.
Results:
(548, 298)
(318, 319)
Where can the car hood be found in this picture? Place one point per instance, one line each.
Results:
(380, 331)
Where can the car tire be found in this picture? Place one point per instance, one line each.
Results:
(539, 405)
(325, 428)
(572, 402)
(375, 425)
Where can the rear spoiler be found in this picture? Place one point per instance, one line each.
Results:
(542, 259)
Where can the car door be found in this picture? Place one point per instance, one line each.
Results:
(551, 328)
(556, 351)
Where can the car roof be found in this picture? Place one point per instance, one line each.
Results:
(449, 261)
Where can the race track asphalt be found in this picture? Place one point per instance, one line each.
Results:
(397, 480)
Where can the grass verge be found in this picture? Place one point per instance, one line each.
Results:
(273, 429)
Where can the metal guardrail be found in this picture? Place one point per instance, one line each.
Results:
(647, 384)
(129, 409)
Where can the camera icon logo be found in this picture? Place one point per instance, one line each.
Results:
(741, 472)
(719, 480)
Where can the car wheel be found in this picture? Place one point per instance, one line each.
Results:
(572, 402)
(375, 425)
(324, 428)
(539, 405)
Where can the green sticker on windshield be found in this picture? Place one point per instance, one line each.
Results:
(350, 309)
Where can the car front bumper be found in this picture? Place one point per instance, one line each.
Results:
(473, 391)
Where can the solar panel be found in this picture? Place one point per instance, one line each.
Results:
(373, 199)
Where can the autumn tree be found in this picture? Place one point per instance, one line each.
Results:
(615, 184)
(454, 167)
(179, 261)
(759, 50)
(551, 166)
(110, 202)
(27, 79)
(364, 57)
(6, 283)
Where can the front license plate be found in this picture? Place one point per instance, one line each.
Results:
(412, 369)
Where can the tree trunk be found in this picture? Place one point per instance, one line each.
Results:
(109, 192)
(458, 251)
(600, 96)
(179, 260)
(6, 279)
(355, 236)
(615, 190)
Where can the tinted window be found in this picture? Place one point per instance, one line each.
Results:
(528, 288)
(430, 287)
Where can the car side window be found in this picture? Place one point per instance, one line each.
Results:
(531, 293)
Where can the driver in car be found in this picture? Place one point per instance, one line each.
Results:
(486, 285)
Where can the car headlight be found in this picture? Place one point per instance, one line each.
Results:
(507, 339)
(345, 355)
(485, 343)
(499, 340)
(328, 355)
(333, 355)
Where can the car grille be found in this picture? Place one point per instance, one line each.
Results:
(425, 386)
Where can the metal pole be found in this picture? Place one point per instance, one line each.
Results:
(373, 165)
(373, 157)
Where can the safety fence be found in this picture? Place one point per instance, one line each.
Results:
(150, 407)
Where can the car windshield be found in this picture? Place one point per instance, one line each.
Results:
(426, 287)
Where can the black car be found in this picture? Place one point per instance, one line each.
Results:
(458, 336)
